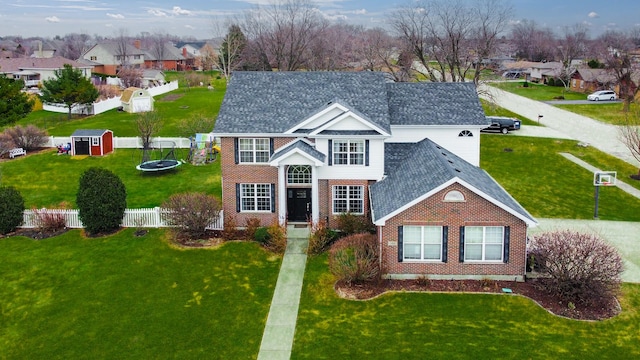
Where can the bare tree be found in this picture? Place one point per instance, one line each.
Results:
(130, 77)
(615, 48)
(148, 125)
(122, 47)
(491, 17)
(630, 137)
(158, 47)
(571, 46)
(74, 45)
(334, 48)
(284, 31)
(532, 42)
(208, 57)
(374, 48)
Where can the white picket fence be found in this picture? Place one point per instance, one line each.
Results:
(139, 218)
(108, 104)
(123, 142)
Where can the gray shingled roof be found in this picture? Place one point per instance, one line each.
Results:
(88, 132)
(274, 102)
(415, 169)
(302, 146)
(428, 103)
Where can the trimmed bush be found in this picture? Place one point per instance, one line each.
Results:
(581, 268)
(277, 240)
(101, 200)
(11, 209)
(354, 259)
(191, 214)
(261, 235)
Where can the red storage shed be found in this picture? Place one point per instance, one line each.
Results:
(92, 142)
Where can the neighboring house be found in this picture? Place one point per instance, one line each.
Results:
(44, 49)
(136, 100)
(108, 57)
(34, 70)
(540, 72)
(589, 80)
(168, 58)
(309, 146)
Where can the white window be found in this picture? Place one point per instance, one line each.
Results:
(254, 150)
(483, 243)
(299, 174)
(348, 152)
(348, 199)
(255, 197)
(95, 141)
(465, 133)
(422, 243)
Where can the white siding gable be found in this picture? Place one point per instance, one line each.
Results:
(466, 147)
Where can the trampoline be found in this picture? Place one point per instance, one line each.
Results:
(166, 159)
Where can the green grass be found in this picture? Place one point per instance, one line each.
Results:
(126, 297)
(187, 103)
(537, 91)
(447, 326)
(609, 113)
(550, 186)
(46, 179)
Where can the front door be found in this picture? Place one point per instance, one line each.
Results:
(298, 204)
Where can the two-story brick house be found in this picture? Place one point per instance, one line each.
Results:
(308, 146)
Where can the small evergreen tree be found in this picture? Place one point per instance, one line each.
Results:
(70, 87)
(101, 199)
(11, 209)
(14, 104)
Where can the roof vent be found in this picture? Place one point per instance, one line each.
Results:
(458, 170)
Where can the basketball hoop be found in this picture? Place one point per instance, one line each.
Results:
(604, 178)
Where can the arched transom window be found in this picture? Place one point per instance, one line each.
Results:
(299, 174)
(465, 133)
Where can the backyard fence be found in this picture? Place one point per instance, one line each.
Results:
(139, 218)
(124, 142)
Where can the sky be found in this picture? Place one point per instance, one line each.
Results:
(198, 18)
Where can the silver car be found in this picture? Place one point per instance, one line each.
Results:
(602, 95)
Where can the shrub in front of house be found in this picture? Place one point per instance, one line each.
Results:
(321, 238)
(580, 268)
(349, 223)
(230, 228)
(101, 200)
(354, 259)
(261, 235)
(11, 209)
(251, 226)
(190, 214)
(277, 240)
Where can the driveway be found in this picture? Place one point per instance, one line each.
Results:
(580, 102)
(603, 137)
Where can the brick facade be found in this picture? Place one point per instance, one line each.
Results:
(474, 211)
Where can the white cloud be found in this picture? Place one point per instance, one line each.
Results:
(156, 12)
(593, 15)
(360, 12)
(190, 27)
(514, 22)
(177, 10)
(115, 16)
(52, 19)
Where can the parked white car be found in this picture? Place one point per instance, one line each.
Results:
(602, 95)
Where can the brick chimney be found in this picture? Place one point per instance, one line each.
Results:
(137, 44)
(184, 52)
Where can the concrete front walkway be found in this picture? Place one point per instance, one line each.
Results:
(277, 339)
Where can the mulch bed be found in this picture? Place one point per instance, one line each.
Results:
(607, 309)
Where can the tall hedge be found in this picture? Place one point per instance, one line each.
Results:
(101, 200)
(11, 209)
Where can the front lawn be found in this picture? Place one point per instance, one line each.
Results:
(550, 186)
(610, 113)
(47, 179)
(538, 92)
(448, 326)
(126, 297)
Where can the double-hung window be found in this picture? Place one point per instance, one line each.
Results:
(255, 197)
(253, 151)
(348, 152)
(422, 243)
(484, 243)
(348, 199)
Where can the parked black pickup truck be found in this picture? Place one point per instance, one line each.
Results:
(502, 124)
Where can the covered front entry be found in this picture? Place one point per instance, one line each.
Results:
(298, 204)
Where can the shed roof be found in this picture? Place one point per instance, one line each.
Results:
(89, 132)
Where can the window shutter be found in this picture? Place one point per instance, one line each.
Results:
(273, 198)
(270, 147)
(237, 197)
(461, 259)
(507, 234)
(330, 152)
(366, 153)
(400, 255)
(445, 243)
(236, 150)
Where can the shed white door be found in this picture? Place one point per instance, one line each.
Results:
(141, 104)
